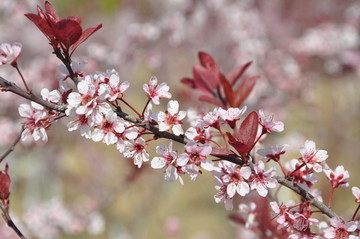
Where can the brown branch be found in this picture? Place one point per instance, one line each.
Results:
(12, 87)
(12, 146)
(10, 222)
(9, 86)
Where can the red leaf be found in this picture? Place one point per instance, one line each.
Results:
(204, 79)
(208, 62)
(228, 90)
(246, 135)
(234, 75)
(216, 151)
(51, 13)
(84, 36)
(42, 24)
(4, 184)
(211, 100)
(188, 81)
(67, 32)
(244, 90)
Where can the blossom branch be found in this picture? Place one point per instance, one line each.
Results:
(308, 196)
(12, 87)
(10, 222)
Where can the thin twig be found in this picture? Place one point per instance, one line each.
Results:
(12, 146)
(10, 222)
(12, 87)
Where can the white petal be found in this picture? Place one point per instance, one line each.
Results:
(158, 162)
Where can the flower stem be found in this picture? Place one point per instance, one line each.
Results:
(133, 109)
(23, 80)
(331, 196)
(356, 211)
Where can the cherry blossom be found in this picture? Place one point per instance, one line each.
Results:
(211, 119)
(339, 177)
(262, 180)
(199, 135)
(171, 119)
(230, 179)
(339, 229)
(81, 122)
(88, 100)
(268, 124)
(167, 159)
(303, 176)
(249, 213)
(136, 149)
(222, 195)
(194, 158)
(130, 133)
(108, 128)
(9, 53)
(111, 81)
(356, 193)
(57, 96)
(231, 115)
(155, 92)
(272, 152)
(312, 157)
(36, 121)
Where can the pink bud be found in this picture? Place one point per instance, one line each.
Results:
(4, 184)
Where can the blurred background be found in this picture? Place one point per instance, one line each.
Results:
(306, 52)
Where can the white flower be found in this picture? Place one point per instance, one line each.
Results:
(36, 121)
(194, 158)
(9, 53)
(167, 159)
(263, 180)
(313, 158)
(171, 119)
(268, 124)
(356, 193)
(109, 128)
(339, 229)
(136, 150)
(339, 177)
(155, 91)
(110, 82)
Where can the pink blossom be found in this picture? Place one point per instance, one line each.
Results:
(108, 128)
(339, 177)
(88, 100)
(356, 193)
(248, 212)
(303, 176)
(268, 124)
(155, 91)
(199, 135)
(167, 159)
(81, 122)
(263, 179)
(9, 53)
(339, 229)
(77, 68)
(36, 121)
(211, 119)
(57, 96)
(136, 149)
(194, 158)
(312, 157)
(272, 153)
(231, 115)
(171, 119)
(230, 179)
(110, 82)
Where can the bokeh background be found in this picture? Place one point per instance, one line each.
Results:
(306, 52)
